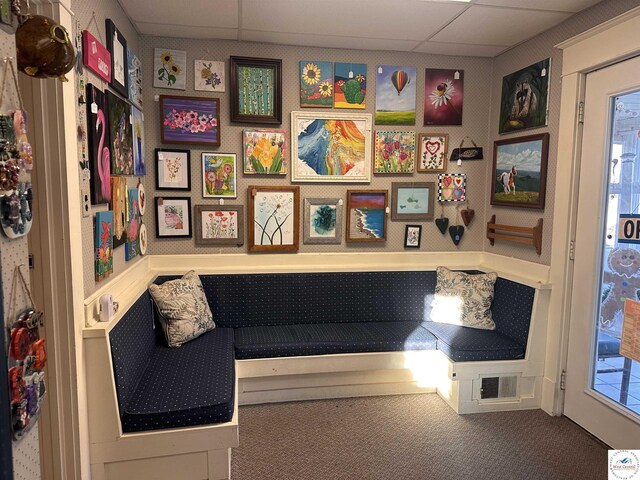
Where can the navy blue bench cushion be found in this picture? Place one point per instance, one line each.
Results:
(248, 300)
(322, 338)
(511, 309)
(189, 385)
(464, 344)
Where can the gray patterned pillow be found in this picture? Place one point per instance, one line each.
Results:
(464, 299)
(183, 307)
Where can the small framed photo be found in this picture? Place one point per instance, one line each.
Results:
(256, 90)
(432, 155)
(190, 120)
(173, 169)
(412, 201)
(117, 46)
(219, 175)
(412, 235)
(173, 217)
(219, 225)
(322, 220)
(366, 215)
(273, 218)
(264, 151)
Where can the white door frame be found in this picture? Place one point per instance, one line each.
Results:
(606, 44)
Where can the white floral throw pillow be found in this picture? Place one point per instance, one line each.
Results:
(464, 299)
(183, 307)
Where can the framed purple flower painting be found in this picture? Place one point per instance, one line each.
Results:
(443, 96)
(190, 120)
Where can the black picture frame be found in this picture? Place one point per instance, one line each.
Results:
(184, 156)
(240, 65)
(117, 46)
(409, 228)
(6, 462)
(165, 229)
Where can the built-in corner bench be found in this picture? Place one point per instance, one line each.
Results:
(161, 412)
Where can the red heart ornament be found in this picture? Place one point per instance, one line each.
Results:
(446, 181)
(432, 147)
(467, 216)
(457, 181)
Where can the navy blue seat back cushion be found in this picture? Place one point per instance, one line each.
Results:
(132, 343)
(511, 309)
(297, 298)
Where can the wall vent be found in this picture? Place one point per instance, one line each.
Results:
(503, 387)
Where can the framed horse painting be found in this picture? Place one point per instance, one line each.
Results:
(520, 171)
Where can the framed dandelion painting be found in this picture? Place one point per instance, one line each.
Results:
(256, 90)
(443, 96)
(190, 120)
(219, 225)
(316, 84)
(273, 218)
(173, 217)
(432, 154)
(219, 175)
(395, 152)
(350, 85)
(170, 67)
(209, 76)
(173, 169)
(264, 151)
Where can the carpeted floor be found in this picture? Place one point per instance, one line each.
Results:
(409, 437)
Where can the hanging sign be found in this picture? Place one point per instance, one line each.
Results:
(630, 340)
(629, 228)
(96, 57)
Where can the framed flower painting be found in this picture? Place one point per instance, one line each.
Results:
(173, 169)
(264, 151)
(395, 152)
(219, 225)
(104, 244)
(170, 67)
(209, 76)
(219, 175)
(443, 96)
(190, 120)
(173, 217)
(273, 218)
(316, 84)
(121, 135)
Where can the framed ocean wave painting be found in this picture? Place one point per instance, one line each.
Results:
(366, 215)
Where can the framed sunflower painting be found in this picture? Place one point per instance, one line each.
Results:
(264, 151)
(170, 67)
(316, 84)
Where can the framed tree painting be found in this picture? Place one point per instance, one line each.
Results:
(104, 244)
(219, 225)
(322, 220)
(99, 141)
(525, 94)
(395, 152)
(170, 67)
(173, 217)
(273, 222)
(134, 69)
(432, 154)
(350, 85)
(139, 166)
(316, 84)
(264, 151)
(443, 96)
(121, 135)
(256, 90)
(366, 215)
(330, 147)
(520, 171)
(117, 46)
(395, 95)
(219, 175)
(412, 201)
(173, 169)
(190, 120)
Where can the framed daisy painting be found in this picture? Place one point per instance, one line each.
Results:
(443, 96)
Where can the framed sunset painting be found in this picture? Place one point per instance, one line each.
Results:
(190, 120)
(366, 215)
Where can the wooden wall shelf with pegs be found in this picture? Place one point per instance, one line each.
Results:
(511, 233)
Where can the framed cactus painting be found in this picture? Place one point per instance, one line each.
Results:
(264, 151)
(316, 84)
(170, 67)
(350, 85)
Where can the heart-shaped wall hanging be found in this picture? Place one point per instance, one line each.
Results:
(456, 232)
(442, 223)
(432, 147)
(467, 215)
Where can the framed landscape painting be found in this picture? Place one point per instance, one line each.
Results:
(350, 85)
(274, 219)
(219, 225)
(520, 171)
(432, 155)
(190, 120)
(443, 96)
(395, 95)
(330, 147)
(264, 151)
(316, 84)
(412, 201)
(173, 217)
(322, 220)
(256, 90)
(219, 175)
(366, 215)
(395, 152)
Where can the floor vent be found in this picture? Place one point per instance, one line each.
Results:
(503, 387)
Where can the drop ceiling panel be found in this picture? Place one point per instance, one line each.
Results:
(497, 26)
(558, 5)
(182, 31)
(327, 41)
(460, 49)
(203, 13)
(399, 20)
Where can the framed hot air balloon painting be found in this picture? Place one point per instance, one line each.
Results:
(350, 85)
(443, 96)
(99, 141)
(395, 95)
(316, 84)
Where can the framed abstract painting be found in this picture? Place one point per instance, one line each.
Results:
(173, 217)
(264, 151)
(190, 120)
(256, 90)
(443, 96)
(395, 152)
(173, 169)
(322, 220)
(366, 215)
(117, 46)
(121, 135)
(219, 225)
(219, 175)
(98, 134)
(273, 218)
(316, 84)
(395, 95)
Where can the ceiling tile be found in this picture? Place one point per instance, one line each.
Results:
(327, 41)
(202, 13)
(181, 31)
(460, 49)
(497, 26)
(560, 6)
(400, 20)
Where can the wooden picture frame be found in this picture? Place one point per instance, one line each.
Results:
(412, 236)
(308, 131)
(177, 128)
(273, 219)
(520, 171)
(433, 149)
(322, 221)
(367, 215)
(256, 90)
(173, 217)
(412, 201)
(173, 169)
(117, 46)
(219, 175)
(219, 224)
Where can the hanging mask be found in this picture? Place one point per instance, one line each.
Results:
(16, 214)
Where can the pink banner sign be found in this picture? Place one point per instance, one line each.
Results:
(96, 57)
